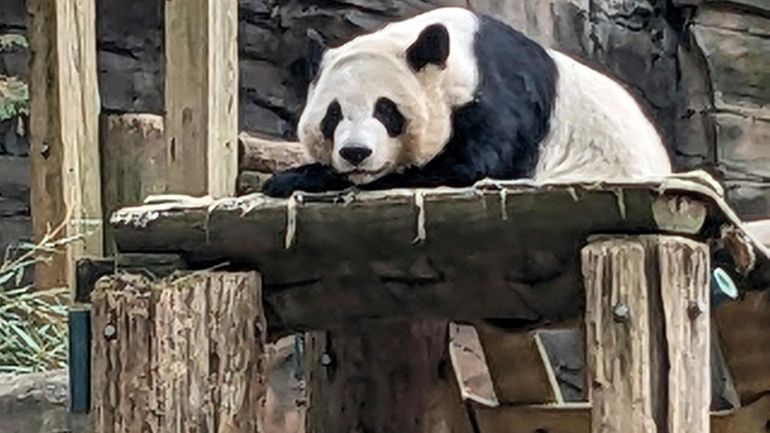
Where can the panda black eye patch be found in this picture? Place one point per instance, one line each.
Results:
(331, 120)
(387, 112)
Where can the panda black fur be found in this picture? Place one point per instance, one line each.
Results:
(449, 98)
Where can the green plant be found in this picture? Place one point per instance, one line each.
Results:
(33, 324)
(14, 97)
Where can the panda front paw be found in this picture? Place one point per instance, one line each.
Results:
(309, 178)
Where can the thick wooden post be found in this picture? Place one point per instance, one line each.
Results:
(133, 162)
(202, 96)
(383, 377)
(64, 142)
(179, 355)
(647, 334)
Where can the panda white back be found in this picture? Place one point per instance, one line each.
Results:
(597, 129)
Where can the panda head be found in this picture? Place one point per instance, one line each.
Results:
(377, 103)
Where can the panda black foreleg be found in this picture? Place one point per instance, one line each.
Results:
(308, 178)
(457, 176)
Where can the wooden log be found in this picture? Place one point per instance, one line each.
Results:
(64, 142)
(647, 334)
(133, 162)
(201, 52)
(183, 354)
(363, 250)
(124, 347)
(382, 377)
(268, 155)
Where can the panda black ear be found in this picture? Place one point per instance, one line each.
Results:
(431, 48)
(315, 52)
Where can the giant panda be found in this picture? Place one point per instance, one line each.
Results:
(451, 97)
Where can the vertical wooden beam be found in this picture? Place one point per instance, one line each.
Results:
(202, 96)
(647, 334)
(64, 146)
(684, 290)
(382, 377)
(179, 355)
(133, 162)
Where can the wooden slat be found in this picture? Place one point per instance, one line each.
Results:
(576, 418)
(573, 418)
(202, 96)
(744, 331)
(519, 366)
(684, 289)
(753, 418)
(647, 334)
(618, 349)
(470, 365)
(64, 146)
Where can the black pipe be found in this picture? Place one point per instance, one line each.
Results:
(80, 360)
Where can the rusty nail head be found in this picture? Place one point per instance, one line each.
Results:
(694, 309)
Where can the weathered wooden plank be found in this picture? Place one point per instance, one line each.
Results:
(364, 251)
(123, 374)
(744, 332)
(211, 334)
(647, 334)
(519, 367)
(182, 354)
(470, 365)
(618, 340)
(201, 96)
(684, 270)
(64, 146)
(753, 418)
(572, 418)
(576, 418)
(133, 162)
(383, 377)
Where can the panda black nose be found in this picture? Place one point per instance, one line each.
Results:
(355, 154)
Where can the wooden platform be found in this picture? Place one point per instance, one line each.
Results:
(332, 258)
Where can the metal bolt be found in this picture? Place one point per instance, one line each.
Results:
(326, 360)
(621, 313)
(694, 309)
(110, 331)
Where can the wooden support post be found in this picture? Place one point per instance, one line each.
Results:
(133, 162)
(64, 146)
(383, 377)
(647, 334)
(179, 355)
(202, 96)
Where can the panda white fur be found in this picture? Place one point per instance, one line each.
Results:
(450, 97)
